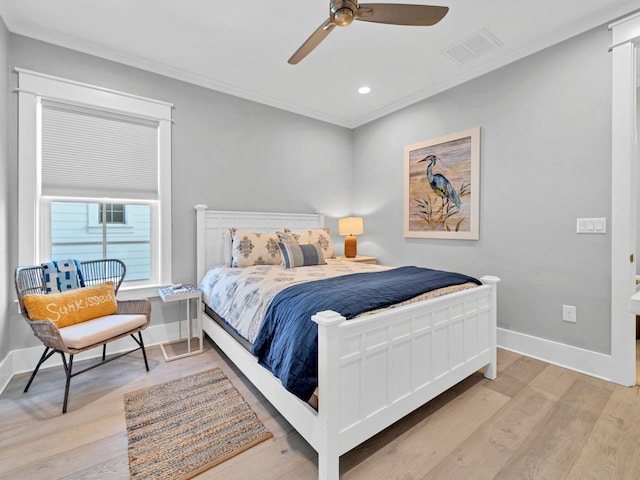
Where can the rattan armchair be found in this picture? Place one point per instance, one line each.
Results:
(31, 279)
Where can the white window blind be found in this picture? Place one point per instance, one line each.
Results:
(93, 153)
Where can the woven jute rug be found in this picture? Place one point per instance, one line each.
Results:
(178, 429)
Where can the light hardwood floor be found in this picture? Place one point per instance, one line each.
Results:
(637, 362)
(535, 421)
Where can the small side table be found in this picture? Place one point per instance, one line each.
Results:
(192, 344)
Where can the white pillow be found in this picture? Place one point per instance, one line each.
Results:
(227, 247)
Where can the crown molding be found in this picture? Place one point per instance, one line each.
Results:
(601, 18)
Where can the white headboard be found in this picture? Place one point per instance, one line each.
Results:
(210, 225)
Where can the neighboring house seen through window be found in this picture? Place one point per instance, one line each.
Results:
(94, 230)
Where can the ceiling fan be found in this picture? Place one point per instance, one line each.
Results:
(343, 12)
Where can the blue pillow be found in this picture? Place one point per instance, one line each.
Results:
(301, 255)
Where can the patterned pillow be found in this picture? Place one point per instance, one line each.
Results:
(251, 248)
(320, 236)
(301, 255)
(291, 237)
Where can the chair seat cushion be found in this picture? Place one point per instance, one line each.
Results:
(101, 329)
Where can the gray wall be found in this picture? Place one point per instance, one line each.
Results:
(545, 160)
(5, 269)
(228, 153)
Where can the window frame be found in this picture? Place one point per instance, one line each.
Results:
(33, 87)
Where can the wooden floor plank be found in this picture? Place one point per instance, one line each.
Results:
(546, 453)
(483, 454)
(517, 375)
(556, 381)
(85, 461)
(113, 469)
(637, 362)
(278, 458)
(55, 445)
(427, 441)
(506, 358)
(379, 442)
(612, 450)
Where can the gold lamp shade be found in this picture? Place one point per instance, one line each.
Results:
(350, 226)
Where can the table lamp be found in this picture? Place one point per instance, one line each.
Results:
(350, 227)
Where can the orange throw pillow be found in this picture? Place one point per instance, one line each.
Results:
(73, 306)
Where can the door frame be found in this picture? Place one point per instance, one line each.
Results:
(625, 36)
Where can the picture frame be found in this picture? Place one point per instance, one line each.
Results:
(442, 187)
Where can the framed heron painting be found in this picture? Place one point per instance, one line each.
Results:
(442, 187)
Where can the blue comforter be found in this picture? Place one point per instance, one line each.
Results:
(287, 343)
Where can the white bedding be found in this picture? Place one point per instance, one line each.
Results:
(241, 296)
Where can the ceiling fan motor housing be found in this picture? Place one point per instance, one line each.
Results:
(343, 12)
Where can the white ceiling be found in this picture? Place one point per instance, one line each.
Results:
(242, 47)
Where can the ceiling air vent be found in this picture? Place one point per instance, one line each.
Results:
(472, 47)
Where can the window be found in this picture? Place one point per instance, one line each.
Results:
(111, 213)
(94, 177)
(74, 235)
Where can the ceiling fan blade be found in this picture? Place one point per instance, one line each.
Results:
(400, 14)
(312, 42)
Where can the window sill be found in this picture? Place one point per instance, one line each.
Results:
(143, 291)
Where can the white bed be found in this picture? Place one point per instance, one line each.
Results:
(372, 371)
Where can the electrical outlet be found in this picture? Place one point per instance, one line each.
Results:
(569, 313)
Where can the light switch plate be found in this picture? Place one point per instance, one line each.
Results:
(591, 225)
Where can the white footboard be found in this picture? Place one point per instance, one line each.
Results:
(377, 369)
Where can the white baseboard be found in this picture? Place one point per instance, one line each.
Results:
(574, 358)
(6, 371)
(25, 359)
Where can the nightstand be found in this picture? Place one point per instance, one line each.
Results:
(360, 259)
(191, 345)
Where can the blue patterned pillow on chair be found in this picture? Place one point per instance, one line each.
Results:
(62, 275)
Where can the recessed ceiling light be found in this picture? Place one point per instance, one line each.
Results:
(363, 90)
